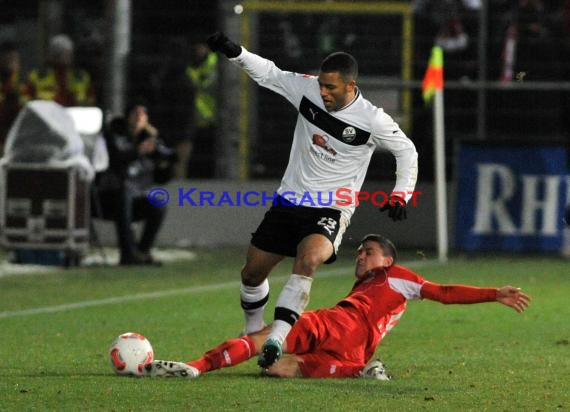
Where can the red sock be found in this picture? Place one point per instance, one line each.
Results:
(229, 353)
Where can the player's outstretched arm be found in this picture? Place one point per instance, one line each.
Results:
(513, 297)
(464, 294)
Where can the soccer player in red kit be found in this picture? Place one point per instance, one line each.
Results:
(338, 342)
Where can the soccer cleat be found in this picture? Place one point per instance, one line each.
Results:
(168, 369)
(375, 370)
(270, 353)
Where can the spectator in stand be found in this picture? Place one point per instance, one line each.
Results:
(446, 16)
(135, 157)
(529, 54)
(11, 89)
(60, 81)
(203, 73)
(528, 47)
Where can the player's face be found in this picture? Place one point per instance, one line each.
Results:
(335, 92)
(370, 256)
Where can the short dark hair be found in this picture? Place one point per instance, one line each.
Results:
(341, 62)
(385, 244)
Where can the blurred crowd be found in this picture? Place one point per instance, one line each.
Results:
(183, 104)
(173, 86)
(177, 76)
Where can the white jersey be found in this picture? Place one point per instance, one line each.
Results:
(331, 151)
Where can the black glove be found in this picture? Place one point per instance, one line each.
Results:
(396, 208)
(219, 42)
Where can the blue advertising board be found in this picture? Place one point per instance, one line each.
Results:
(511, 198)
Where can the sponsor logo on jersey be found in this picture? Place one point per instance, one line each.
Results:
(323, 141)
(348, 134)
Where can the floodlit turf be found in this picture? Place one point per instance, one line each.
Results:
(55, 330)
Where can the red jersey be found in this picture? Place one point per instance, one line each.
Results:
(338, 341)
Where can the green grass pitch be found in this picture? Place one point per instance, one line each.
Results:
(55, 330)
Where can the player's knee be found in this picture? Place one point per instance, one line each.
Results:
(307, 264)
(252, 277)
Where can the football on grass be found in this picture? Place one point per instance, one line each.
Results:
(129, 353)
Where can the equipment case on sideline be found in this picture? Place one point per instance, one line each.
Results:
(44, 213)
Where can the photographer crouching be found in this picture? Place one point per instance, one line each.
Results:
(137, 161)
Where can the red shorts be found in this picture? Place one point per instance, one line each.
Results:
(330, 343)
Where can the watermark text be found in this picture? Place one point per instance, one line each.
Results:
(343, 197)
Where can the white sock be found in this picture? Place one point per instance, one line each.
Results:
(292, 301)
(253, 301)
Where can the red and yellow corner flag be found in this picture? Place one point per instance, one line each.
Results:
(433, 79)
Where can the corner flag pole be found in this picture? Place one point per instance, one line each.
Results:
(432, 89)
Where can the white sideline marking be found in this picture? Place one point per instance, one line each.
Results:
(117, 299)
(347, 270)
(94, 258)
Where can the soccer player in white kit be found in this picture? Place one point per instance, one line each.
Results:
(337, 132)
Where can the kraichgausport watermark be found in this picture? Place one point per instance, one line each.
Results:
(340, 197)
